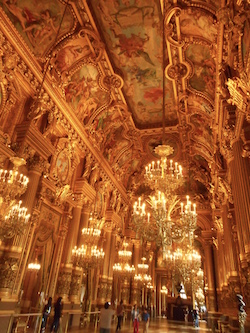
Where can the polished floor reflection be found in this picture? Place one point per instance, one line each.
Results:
(156, 326)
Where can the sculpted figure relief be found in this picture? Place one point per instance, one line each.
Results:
(113, 199)
(94, 175)
(87, 168)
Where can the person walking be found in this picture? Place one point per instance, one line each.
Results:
(106, 315)
(46, 313)
(135, 318)
(57, 315)
(145, 320)
(119, 313)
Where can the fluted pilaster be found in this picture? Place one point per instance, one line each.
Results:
(210, 274)
(240, 172)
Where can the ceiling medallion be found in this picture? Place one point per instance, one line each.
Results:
(164, 150)
(177, 71)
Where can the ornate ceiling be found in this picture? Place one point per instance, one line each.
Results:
(104, 68)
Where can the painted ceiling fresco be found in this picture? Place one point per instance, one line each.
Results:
(195, 23)
(132, 31)
(202, 131)
(203, 78)
(38, 21)
(84, 94)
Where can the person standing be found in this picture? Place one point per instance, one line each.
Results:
(57, 315)
(119, 313)
(196, 318)
(145, 320)
(106, 315)
(46, 313)
(135, 318)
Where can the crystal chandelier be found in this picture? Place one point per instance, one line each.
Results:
(13, 217)
(163, 177)
(143, 268)
(156, 224)
(185, 262)
(15, 221)
(122, 268)
(124, 255)
(34, 266)
(164, 290)
(12, 184)
(188, 219)
(89, 255)
(142, 277)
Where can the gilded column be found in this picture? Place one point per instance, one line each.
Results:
(158, 295)
(71, 276)
(240, 172)
(59, 284)
(71, 239)
(232, 273)
(105, 287)
(125, 291)
(136, 290)
(211, 292)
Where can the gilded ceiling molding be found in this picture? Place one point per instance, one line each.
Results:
(203, 5)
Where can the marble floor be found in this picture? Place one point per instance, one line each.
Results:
(156, 326)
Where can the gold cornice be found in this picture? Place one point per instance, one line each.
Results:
(27, 133)
(84, 188)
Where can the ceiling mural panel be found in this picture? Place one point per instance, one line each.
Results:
(197, 23)
(75, 50)
(1, 97)
(132, 33)
(246, 41)
(199, 104)
(203, 79)
(202, 130)
(38, 21)
(114, 144)
(84, 94)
